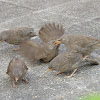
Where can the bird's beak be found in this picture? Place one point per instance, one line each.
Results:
(16, 79)
(58, 42)
(49, 70)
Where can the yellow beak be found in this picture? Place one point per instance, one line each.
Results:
(49, 70)
(58, 42)
(16, 79)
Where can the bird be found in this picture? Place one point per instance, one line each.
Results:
(17, 71)
(17, 35)
(46, 50)
(66, 61)
(82, 44)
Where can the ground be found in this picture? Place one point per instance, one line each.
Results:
(77, 17)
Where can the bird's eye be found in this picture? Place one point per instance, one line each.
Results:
(31, 31)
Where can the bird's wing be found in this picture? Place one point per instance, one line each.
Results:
(80, 42)
(32, 50)
(65, 61)
(9, 67)
(51, 31)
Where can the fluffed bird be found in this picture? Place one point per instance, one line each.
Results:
(17, 70)
(17, 35)
(47, 49)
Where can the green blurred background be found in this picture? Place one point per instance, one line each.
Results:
(93, 96)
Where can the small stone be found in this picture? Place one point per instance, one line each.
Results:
(33, 97)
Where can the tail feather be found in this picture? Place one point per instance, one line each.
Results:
(51, 31)
(97, 45)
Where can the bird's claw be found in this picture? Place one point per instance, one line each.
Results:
(15, 49)
(25, 80)
(70, 76)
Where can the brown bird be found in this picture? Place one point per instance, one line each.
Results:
(46, 50)
(66, 61)
(17, 35)
(79, 43)
(17, 70)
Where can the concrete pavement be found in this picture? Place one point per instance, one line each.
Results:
(77, 16)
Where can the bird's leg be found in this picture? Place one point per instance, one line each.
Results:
(72, 73)
(14, 85)
(49, 70)
(16, 49)
(58, 73)
(85, 57)
(25, 80)
(33, 60)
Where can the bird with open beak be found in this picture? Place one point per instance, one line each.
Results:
(46, 50)
(79, 43)
(17, 71)
(17, 35)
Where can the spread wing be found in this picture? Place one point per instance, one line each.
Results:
(51, 31)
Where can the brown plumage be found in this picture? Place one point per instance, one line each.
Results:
(66, 61)
(51, 32)
(17, 35)
(46, 50)
(17, 70)
(79, 43)
(69, 61)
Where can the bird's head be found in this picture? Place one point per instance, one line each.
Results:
(51, 45)
(31, 32)
(60, 40)
(17, 73)
(16, 78)
(3, 36)
(1, 40)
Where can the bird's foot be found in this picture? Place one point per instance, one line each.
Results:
(70, 76)
(86, 57)
(25, 80)
(73, 74)
(49, 70)
(16, 49)
(14, 85)
(58, 73)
